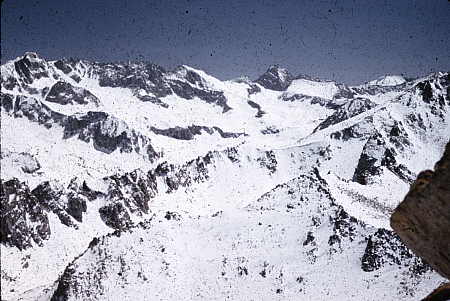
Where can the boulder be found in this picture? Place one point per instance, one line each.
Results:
(422, 220)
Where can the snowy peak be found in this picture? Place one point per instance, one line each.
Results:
(30, 67)
(388, 81)
(279, 79)
(275, 78)
(197, 77)
(24, 71)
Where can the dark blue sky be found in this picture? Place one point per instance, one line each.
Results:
(349, 41)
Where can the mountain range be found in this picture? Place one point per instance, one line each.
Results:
(126, 181)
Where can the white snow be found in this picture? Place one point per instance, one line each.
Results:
(388, 80)
(313, 88)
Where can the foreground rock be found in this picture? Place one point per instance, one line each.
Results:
(422, 220)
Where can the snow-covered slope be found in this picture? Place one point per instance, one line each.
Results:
(127, 181)
(388, 80)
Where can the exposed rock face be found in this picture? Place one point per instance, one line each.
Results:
(186, 91)
(147, 76)
(30, 67)
(350, 109)
(52, 199)
(36, 111)
(374, 89)
(359, 130)
(157, 82)
(433, 92)
(426, 91)
(260, 113)
(385, 247)
(108, 134)
(24, 220)
(377, 155)
(64, 93)
(6, 101)
(275, 78)
(253, 89)
(422, 220)
(269, 161)
(134, 190)
(116, 216)
(189, 132)
(148, 98)
(312, 99)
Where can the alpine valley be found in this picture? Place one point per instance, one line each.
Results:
(125, 181)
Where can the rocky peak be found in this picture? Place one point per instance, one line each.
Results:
(30, 67)
(275, 78)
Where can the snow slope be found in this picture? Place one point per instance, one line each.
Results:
(388, 80)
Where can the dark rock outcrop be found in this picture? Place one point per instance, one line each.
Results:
(158, 83)
(146, 76)
(189, 132)
(152, 99)
(188, 91)
(426, 91)
(36, 111)
(76, 206)
(51, 197)
(311, 99)
(134, 189)
(260, 113)
(24, 219)
(253, 89)
(348, 110)
(359, 130)
(64, 93)
(270, 130)
(275, 78)
(385, 247)
(30, 67)
(6, 101)
(377, 154)
(269, 161)
(116, 216)
(108, 134)
(374, 89)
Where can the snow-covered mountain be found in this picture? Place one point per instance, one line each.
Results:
(125, 181)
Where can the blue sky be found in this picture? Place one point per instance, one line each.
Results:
(348, 41)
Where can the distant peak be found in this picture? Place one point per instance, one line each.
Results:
(31, 56)
(388, 81)
(279, 71)
(275, 78)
